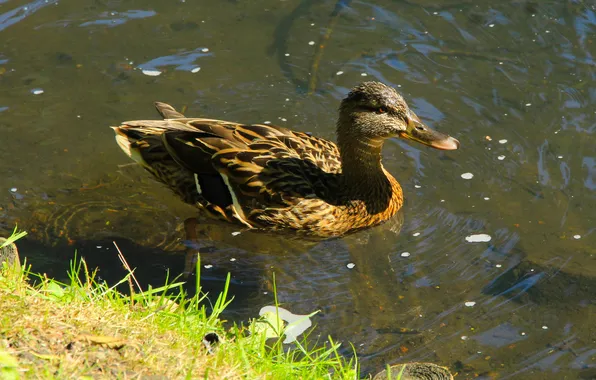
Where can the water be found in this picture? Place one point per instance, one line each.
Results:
(513, 82)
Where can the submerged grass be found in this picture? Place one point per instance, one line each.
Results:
(87, 329)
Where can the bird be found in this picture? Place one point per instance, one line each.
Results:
(271, 178)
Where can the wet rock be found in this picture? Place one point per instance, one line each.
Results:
(415, 371)
(211, 340)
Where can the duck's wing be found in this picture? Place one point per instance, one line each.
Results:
(232, 170)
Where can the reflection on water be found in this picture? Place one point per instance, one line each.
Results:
(513, 82)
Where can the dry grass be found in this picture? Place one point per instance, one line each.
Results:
(55, 335)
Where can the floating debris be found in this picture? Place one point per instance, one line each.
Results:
(405, 254)
(486, 198)
(311, 43)
(416, 234)
(417, 186)
(339, 73)
(13, 189)
(364, 74)
(544, 327)
(469, 303)
(236, 233)
(478, 238)
(195, 70)
(37, 91)
(232, 259)
(576, 237)
(208, 266)
(498, 265)
(351, 265)
(528, 104)
(151, 73)
(205, 50)
(503, 141)
(501, 158)
(296, 323)
(467, 176)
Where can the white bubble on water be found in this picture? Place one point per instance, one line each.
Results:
(151, 73)
(478, 238)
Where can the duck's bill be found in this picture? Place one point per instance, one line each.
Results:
(419, 132)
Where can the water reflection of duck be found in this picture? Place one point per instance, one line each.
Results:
(268, 177)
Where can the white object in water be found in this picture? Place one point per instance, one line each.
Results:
(478, 238)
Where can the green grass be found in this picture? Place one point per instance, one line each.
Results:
(87, 329)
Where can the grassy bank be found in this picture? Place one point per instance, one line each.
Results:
(87, 329)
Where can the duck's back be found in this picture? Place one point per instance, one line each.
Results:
(247, 174)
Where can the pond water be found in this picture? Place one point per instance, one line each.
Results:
(514, 82)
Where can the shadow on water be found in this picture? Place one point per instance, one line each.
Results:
(512, 81)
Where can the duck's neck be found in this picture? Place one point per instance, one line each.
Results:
(361, 161)
(364, 181)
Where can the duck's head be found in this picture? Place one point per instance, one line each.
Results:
(373, 112)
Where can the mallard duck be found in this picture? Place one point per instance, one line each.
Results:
(268, 177)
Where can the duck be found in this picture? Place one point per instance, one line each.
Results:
(267, 177)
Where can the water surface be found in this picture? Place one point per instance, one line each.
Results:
(513, 82)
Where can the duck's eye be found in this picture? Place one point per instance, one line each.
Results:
(382, 109)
